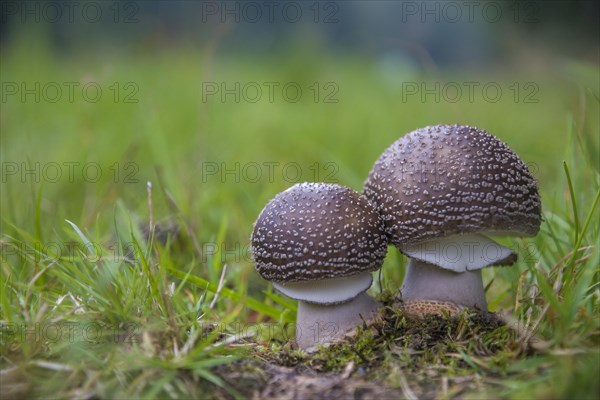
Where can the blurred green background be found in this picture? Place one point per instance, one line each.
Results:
(99, 98)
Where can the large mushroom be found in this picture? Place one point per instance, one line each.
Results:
(318, 243)
(441, 190)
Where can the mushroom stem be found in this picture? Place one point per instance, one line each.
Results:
(424, 282)
(323, 324)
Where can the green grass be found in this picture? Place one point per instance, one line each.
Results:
(106, 307)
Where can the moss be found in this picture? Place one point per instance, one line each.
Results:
(434, 351)
(479, 333)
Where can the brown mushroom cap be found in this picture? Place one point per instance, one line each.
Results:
(452, 179)
(315, 231)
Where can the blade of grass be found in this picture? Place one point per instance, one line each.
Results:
(38, 206)
(230, 294)
(217, 256)
(586, 225)
(281, 301)
(573, 201)
(151, 278)
(85, 240)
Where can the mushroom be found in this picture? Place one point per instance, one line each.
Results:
(440, 190)
(318, 243)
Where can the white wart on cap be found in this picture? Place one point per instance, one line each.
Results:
(439, 190)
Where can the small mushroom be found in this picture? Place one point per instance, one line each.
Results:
(440, 190)
(318, 243)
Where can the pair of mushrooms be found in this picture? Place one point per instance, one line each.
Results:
(437, 193)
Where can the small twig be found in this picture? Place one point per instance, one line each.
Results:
(150, 209)
(189, 344)
(230, 339)
(445, 385)
(519, 290)
(406, 390)
(533, 330)
(348, 370)
(52, 365)
(30, 285)
(533, 292)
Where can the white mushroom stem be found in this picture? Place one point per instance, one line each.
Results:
(425, 281)
(330, 308)
(449, 269)
(325, 323)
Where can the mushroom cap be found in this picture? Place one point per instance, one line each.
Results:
(452, 179)
(315, 231)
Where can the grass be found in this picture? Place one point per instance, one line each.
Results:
(114, 290)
